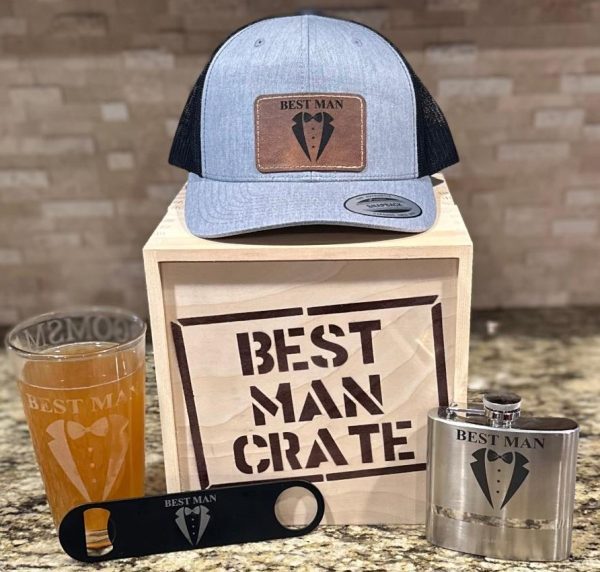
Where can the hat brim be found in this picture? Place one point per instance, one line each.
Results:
(216, 209)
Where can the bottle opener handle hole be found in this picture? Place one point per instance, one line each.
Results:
(296, 508)
(99, 531)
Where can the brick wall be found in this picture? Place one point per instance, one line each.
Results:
(90, 94)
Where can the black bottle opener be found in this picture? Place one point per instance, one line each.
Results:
(186, 521)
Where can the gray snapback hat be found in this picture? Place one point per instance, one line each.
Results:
(304, 120)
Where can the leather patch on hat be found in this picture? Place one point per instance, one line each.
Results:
(310, 132)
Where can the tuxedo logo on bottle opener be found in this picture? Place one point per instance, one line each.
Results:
(192, 522)
(499, 475)
(310, 132)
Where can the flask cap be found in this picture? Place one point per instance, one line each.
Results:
(502, 408)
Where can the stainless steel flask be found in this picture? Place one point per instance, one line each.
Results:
(499, 484)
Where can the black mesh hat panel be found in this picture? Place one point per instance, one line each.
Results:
(186, 149)
(435, 146)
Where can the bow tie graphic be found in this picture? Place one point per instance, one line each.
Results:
(318, 117)
(493, 456)
(187, 511)
(76, 430)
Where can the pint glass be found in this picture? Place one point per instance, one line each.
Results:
(81, 378)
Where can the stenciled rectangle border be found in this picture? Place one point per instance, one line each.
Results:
(386, 304)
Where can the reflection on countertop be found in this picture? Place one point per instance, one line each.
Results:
(551, 357)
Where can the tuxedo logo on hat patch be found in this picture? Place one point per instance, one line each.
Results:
(305, 122)
(310, 132)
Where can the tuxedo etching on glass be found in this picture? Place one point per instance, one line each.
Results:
(92, 465)
(499, 476)
(192, 522)
(313, 132)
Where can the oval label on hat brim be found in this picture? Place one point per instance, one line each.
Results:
(383, 205)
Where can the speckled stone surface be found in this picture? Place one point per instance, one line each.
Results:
(550, 357)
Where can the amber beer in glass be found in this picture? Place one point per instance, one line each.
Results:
(81, 378)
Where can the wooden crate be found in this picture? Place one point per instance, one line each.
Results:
(309, 354)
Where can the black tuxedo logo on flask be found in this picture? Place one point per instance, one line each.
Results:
(313, 132)
(499, 476)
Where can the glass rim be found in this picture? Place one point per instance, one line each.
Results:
(74, 310)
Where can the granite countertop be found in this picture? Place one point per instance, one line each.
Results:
(550, 357)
